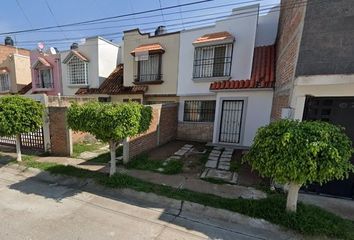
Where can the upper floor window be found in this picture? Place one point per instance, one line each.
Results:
(77, 71)
(150, 69)
(4, 82)
(212, 61)
(45, 79)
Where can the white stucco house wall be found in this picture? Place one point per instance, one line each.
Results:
(226, 78)
(88, 64)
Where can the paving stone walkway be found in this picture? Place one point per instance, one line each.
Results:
(218, 165)
(177, 155)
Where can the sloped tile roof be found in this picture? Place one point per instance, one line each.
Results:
(4, 70)
(25, 89)
(113, 85)
(77, 54)
(153, 47)
(211, 37)
(41, 60)
(263, 72)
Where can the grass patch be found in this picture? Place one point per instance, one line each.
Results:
(79, 148)
(309, 220)
(235, 165)
(215, 181)
(204, 158)
(142, 162)
(106, 157)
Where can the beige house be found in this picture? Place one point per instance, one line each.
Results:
(152, 61)
(15, 71)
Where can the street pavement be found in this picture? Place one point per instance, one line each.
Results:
(34, 209)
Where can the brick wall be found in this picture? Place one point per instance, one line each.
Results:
(288, 41)
(5, 51)
(163, 128)
(200, 132)
(60, 135)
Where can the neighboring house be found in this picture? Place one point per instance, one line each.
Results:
(226, 78)
(15, 71)
(315, 70)
(87, 65)
(152, 61)
(46, 72)
(112, 89)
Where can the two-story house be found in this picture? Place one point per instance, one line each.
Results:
(46, 72)
(226, 78)
(15, 71)
(315, 70)
(88, 64)
(152, 61)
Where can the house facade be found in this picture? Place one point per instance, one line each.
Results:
(87, 65)
(315, 70)
(226, 78)
(152, 61)
(46, 72)
(15, 71)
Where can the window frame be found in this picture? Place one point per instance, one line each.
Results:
(69, 66)
(206, 115)
(198, 57)
(40, 82)
(2, 89)
(158, 79)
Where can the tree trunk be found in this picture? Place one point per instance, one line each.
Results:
(18, 147)
(112, 148)
(293, 192)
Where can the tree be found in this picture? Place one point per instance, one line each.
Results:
(300, 153)
(19, 115)
(110, 123)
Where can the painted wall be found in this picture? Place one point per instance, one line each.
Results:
(257, 109)
(169, 65)
(55, 62)
(103, 57)
(267, 27)
(242, 28)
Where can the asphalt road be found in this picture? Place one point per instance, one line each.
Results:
(33, 209)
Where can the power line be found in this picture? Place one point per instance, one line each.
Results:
(24, 14)
(163, 17)
(55, 20)
(106, 18)
(202, 22)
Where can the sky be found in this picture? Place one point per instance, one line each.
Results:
(29, 14)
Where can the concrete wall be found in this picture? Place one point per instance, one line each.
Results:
(327, 45)
(163, 129)
(169, 65)
(242, 28)
(257, 109)
(291, 23)
(54, 60)
(102, 56)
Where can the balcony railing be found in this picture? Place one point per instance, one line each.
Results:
(147, 78)
(45, 85)
(212, 67)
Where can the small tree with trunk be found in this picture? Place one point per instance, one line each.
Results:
(110, 123)
(300, 153)
(19, 115)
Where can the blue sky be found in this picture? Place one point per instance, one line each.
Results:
(28, 14)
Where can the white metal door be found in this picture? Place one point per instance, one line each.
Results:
(231, 120)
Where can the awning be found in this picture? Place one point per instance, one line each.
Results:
(41, 61)
(77, 54)
(218, 37)
(150, 48)
(4, 70)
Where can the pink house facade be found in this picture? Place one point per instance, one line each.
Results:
(46, 73)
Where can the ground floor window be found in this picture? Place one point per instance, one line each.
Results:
(4, 82)
(199, 111)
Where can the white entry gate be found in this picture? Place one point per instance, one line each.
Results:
(231, 121)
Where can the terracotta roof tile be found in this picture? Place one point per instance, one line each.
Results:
(4, 70)
(113, 85)
(77, 54)
(153, 47)
(262, 76)
(218, 36)
(41, 60)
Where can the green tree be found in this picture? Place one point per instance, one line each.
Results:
(300, 153)
(19, 115)
(110, 123)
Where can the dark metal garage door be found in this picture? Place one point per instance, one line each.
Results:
(340, 111)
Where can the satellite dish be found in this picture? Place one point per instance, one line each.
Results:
(53, 50)
(40, 46)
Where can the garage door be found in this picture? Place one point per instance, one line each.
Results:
(340, 111)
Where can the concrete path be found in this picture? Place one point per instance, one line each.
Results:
(35, 207)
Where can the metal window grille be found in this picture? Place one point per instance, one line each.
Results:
(199, 111)
(77, 71)
(149, 70)
(4, 82)
(212, 61)
(45, 78)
